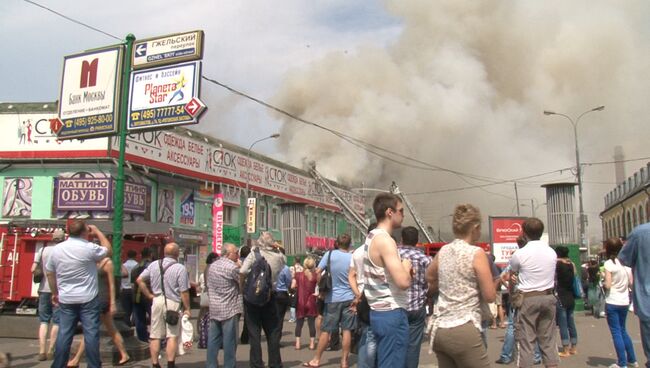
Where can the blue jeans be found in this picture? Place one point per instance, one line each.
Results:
(416, 333)
(69, 316)
(223, 333)
(392, 334)
(508, 348)
(367, 347)
(140, 312)
(567, 324)
(645, 339)
(616, 315)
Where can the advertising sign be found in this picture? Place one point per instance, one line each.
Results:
(251, 215)
(217, 223)
(166, 206)
(89, 100)
(176, 151)
(159, 96)
(168, 49)
(187, 208)
(17, 197)
(83, 194)
(503, 237)
(135, 198)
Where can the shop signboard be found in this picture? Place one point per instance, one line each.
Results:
(188, 209)
(135, 197)
(217, 223)
(251, 206)
(83, 194)
(89, 98)
(504, 232)
(165, 96)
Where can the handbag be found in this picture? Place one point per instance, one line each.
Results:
(325, 282)
(171, 317)
(363, 309)
(577, 285)
(37, 274)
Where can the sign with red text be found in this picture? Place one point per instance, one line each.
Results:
(217, 223)
(504, 232)
(160, 96)
(319, 242)
(89, 99)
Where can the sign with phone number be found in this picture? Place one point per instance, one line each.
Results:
(159, 96)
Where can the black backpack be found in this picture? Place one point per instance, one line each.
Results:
(258, 285)
(135, 273)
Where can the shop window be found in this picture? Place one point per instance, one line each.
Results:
(262, 217)
(275, 218)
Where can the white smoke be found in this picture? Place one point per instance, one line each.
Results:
(464, 87)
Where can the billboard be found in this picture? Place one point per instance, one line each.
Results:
(504, 232)
(89, 99)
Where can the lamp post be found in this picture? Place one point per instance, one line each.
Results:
(532, 206)
(582, 229)
(248, 168)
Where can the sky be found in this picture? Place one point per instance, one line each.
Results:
(454, 83)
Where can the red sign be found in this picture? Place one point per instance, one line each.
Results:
(194, 107)
(55, 125)
(217, 223)
(316, 242)
(504, 232)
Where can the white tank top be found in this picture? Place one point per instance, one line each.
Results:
(380, 288)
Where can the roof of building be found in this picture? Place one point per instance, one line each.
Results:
(633, 185)
(28, 107)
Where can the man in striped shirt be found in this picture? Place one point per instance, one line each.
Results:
(417, 293)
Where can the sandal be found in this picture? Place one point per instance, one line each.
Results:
(309, 365)
(128, 359)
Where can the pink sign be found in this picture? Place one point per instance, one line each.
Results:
(317, 242)
(217, 223)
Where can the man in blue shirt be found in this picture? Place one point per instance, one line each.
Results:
(72, 276)
(338, 313)
(636, 254)
(282, 299)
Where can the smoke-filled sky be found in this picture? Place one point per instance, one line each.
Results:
(458, 84)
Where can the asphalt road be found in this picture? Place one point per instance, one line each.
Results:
(595, 349)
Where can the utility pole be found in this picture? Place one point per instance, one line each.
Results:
(517, 199)
(118, 212)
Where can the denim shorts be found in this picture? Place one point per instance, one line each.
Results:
(339, 314)
(46, 311)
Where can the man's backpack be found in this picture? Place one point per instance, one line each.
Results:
(258, 285)
(135, 273)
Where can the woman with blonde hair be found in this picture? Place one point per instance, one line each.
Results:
(305, 285)
(461, 274)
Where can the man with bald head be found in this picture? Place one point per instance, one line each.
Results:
(171, 277)
(226, 306)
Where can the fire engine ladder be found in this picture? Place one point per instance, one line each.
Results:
(395, 190)
(353, 217)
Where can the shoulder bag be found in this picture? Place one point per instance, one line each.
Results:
(325, 282)
(171, 316)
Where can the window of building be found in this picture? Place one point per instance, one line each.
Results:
(332, 228)
(261, 216)
(314, 224)
(641, 215)
(229, 215)
(323, 229)
(275, 218)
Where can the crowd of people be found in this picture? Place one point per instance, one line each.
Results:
(380, 299)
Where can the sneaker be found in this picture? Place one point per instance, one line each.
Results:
(615, 366)
(633, 365)
(42, 357)
(503, 361)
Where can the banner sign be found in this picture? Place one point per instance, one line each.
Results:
(187, 208)
(159, 96)
(135, 197)
(317, 242)
(85, 194)
(217, 223)
(172, 150)
(17, 197)
(251, 215)
(89, 99)
(504, 232)
(166, 206)
(168, 49)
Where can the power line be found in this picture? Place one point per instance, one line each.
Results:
(73, 20)
(615, 162)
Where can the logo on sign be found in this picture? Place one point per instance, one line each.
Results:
(224, 159)
(277, 176)
(89, 73)
(515, 227)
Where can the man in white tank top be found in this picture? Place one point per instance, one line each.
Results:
(387, 279)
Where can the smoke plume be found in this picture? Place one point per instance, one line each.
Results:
(464, 86)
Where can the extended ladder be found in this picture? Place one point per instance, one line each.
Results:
(395, 190)
(350, 214)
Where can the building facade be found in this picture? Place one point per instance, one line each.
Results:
(171, 179)
(627, 205)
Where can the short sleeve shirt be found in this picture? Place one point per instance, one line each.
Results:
(44, 286)
(223, 290)
(535, 263)
(618, 294)
(74, 263)
(340, 264)
(176, 278)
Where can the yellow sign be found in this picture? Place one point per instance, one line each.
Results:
(251, 216)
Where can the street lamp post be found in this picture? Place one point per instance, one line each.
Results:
(582, 229)
(248, 168)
